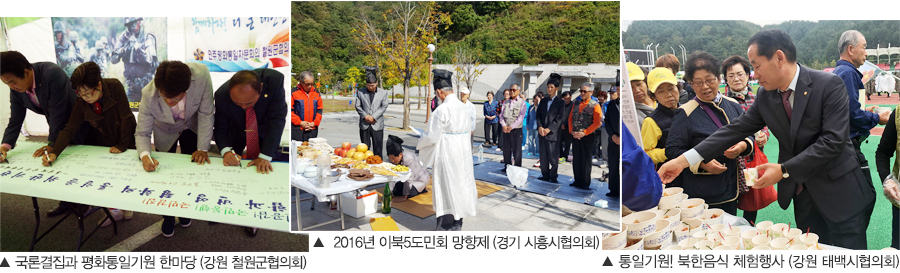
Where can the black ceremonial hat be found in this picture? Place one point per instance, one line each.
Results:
(442, 78)
(555, 79)
(371, 76)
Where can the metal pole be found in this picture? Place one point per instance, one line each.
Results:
(428, 92)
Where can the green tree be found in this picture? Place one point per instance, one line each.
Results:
(517, 55)
(556, 54)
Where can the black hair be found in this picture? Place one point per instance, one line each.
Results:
(565, 93)
(394, 145)
(14, 63)
(771, 40)
(172, 78)
(245, 77)
(87, 75)
(701, 60)
(733, 60)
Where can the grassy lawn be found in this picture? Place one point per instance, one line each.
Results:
(879, 232)
(334, 105)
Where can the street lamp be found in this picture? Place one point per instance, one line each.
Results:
(431, 48)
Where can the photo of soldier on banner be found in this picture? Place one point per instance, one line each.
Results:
(126, 48)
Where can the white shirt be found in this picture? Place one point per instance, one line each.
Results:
(693, 157)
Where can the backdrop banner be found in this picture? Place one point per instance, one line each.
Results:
(231, 44)
(126, 48)
(212, 192)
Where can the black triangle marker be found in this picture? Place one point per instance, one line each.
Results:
(318, 243)
(4, 263)
(607, 262)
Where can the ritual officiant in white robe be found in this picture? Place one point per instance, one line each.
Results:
(446, 147)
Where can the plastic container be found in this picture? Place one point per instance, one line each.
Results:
(357, 208)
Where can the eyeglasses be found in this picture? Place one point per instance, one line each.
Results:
(736, 75)
(85, 92)
(709, 82)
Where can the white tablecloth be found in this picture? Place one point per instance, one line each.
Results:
(342, 185)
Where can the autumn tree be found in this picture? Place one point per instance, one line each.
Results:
(467, 64)
(409, 27)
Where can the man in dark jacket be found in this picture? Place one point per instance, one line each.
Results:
(806, 110)
(549, 118)
(612, 119)
(44, 89)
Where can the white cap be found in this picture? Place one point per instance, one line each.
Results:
(464, 90)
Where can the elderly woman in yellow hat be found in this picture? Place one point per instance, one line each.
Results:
(655, 128)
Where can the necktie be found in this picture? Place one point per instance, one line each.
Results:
(785, 100)
(97, 107)
(252, 134)
(33, 97)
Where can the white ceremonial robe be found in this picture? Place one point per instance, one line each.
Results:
(446, 147)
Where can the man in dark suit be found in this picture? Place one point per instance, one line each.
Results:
(807, 111)
(43, 88)
(549, 117)
(371, 104)
(250, 112)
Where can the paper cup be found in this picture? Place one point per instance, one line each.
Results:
(732, 231)
(616, 241)
(688, 244)
(700, 235)
(750, 175)
(793, 234)
(692, 208)
(778, 230)
(674, 247)
(760, 240)
(809, 239)
(746, 236)
(636, 244)
(723, 247)
(818, 247)
(779, 244)
(704, 245)
(660, 239)
(640, 224)
(761, 248)
(763, 226)
(718, 227)
(733, 241)
(716, 238)
(798, 247)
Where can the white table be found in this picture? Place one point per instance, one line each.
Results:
(342, 185)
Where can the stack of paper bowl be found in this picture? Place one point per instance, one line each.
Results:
(616, 241)
(692, 208)
(640, 224)
(713, 216)
(661, 238)
(673, 215)
(671, 198)
(683, 230)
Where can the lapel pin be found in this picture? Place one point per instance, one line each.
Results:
(804, 93)
(265, 95)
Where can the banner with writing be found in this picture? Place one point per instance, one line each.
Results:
(231, 44)
(212, 192)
